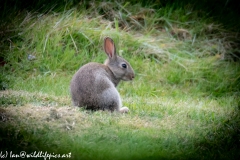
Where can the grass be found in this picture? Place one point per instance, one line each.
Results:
(166, 128)
(184, 100)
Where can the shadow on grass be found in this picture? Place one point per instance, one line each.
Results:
(224, 142)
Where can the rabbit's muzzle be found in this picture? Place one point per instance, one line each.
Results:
(128, 77)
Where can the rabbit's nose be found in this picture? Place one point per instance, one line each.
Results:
(132, 76)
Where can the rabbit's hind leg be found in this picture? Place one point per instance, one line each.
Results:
(111, 99)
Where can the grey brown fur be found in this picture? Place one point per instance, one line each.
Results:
(94, 85)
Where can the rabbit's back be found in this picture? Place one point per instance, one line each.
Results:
(93, 88)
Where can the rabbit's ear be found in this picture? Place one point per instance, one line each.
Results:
(109, 48)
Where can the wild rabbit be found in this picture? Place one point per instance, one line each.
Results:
(94, 85)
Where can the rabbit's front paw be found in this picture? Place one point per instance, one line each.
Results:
(124, 110)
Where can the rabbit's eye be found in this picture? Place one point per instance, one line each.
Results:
(124, 65)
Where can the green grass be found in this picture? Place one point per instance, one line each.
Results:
(184, 101)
